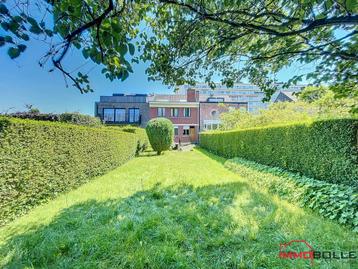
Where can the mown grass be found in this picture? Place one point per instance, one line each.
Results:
(177, 210)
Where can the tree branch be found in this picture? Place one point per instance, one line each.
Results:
(310, 24)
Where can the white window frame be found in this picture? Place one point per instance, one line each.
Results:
(187, 109)
(161, 111)
(172, 112)
(186, 130)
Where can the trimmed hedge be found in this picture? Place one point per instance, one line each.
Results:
(39, 160)
(325, 150)
(334, 201)
(80, 119)
(143, 141)
(68, 117)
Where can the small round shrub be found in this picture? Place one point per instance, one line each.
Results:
(160, 133)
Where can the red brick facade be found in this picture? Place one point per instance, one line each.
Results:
(180, 121)
(210, 112)
(188, 115)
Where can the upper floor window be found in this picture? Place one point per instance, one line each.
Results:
(133, 115)
(214, 114)
(174, 112)
(108, 114)
(215, 99)
(161, 111)
(186, 112)
(120, 115)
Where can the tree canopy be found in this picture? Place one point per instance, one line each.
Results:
(193, 40)
(314, 103)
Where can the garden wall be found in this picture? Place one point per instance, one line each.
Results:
(39, 160)
(325, 150)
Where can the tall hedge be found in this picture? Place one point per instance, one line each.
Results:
(143, 141)
(39, 160)
(325, 150)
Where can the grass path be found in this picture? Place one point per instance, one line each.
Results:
(178, 210)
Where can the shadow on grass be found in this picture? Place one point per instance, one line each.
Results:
(147, 154)
(175, 227)
(216, 226)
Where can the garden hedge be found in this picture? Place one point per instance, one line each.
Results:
(325, 150)
(143, 141)
(333, 201)
(68, 117)
(39, 160)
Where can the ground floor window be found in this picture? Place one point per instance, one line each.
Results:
(108, 114)
(120, 115)
(133, 114)
(176, 130)
(211, 124)
(186, 130)
(114, 114)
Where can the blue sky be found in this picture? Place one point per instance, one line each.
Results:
(23, 81)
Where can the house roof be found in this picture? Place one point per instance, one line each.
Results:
(286, 96)
(167, 98)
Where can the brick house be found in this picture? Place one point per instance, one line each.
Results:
(190, 113)
(212, 107)
(123, 109)
(182, 110)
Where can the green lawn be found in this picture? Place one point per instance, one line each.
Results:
(177, 210)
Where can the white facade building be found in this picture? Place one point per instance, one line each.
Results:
(240, 92)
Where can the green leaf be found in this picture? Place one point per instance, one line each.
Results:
(123, 49)
(22, 47)
(49, 32)
(35, 29)
(13, 52)
(5, 26)
(351, 5)
(3, 9)
(125, 74)
(86, 53)
(131, 48)
(8, 39)
(25, 37)
(17, 19)
(32, 21)
(116, 27)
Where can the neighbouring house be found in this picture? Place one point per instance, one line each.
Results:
(212, 107)
(123, 109)
(285, 96)
(239, 92)
(191, 109)
(182, 110)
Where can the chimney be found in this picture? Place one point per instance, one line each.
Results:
(192, 95)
